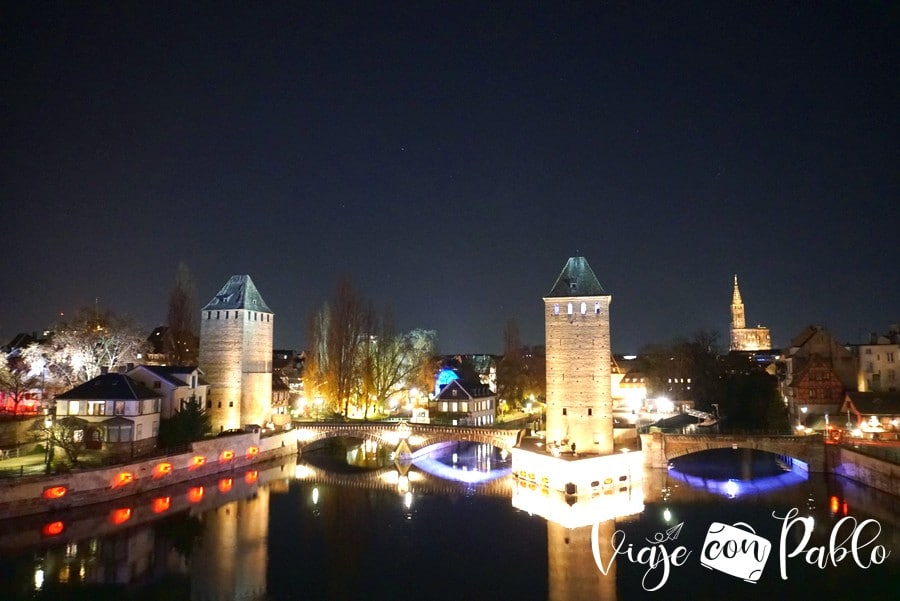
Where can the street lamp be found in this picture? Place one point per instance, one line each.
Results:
(48, 424)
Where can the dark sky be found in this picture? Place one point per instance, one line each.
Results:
(449, 157)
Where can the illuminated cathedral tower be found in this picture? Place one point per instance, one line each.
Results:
(236, 355)
(576, 322)
(742, 337)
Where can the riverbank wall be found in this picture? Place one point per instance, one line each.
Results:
(38, 494)
(874, 472)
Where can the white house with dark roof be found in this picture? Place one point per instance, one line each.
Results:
(121, 415)
(458, 404)
(177, 385)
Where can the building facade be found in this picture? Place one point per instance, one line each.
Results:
(742, 337)
(879, 362)
(177, 385)
(236, 334)
(113, 413)
(458, 404)
(576, 327)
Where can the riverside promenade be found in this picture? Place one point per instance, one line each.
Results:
(33, 494)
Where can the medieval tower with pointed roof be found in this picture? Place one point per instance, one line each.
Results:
(742, 337)
(576, 325)
(236, 355)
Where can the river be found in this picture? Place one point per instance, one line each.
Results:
(458, 526)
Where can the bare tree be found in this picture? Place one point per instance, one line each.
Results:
(512, 379)
(181, 319)
(338, 332)
(79, 349)
(393, 362)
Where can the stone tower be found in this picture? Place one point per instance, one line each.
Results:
(236, 355)
(742, 337)
(576, 326)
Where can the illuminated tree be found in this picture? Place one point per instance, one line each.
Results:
(188, 424)
(66, 433)
(394, 362)
(16, 379)
(338, 332)
(512, 377)
(78, 349)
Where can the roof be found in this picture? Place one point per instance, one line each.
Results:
(576, 279)
(109, 387)
(177, 375)
(472, 390)
(874, 403)
(239, 292)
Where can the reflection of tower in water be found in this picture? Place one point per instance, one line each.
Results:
(572, 573)
(232, 558)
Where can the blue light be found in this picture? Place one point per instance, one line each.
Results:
(444, 377)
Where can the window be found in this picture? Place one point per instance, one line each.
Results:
(565, 412)
(119, 408)
(209, 404)
(217, 315)
(140, 429)
(155, 428)
(583, 308)
(118, 433)
(231, 403)
(74, 406)
(220, 405)
(156, 384)
(596, 308)
(96, 407)
(570, 309)
(556, 308)
(590, 411)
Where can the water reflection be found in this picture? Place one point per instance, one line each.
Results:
(468, 462)
(400, 532)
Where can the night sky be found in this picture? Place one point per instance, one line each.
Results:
(449, 157)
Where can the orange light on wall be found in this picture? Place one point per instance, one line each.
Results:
(834, 504)
(197, 462)
(225, 484)
(161, 504)
(252, 451)
(195, 494)
(120, 516)
(227, 455)
(251, 476)
(162, 469)
(55, 492)
(844, 508)
(122, 478)
(53, 528)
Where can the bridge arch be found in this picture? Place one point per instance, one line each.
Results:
(660, 448)
(417, 436)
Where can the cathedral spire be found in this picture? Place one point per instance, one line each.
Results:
(737, 308)
(736, 295)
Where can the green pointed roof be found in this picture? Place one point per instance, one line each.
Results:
(239, 292)
(577, 279)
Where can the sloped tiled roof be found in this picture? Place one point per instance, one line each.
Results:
(239, 292)
(874, 403)
(576, 279)
(177, 375)
(109, 387)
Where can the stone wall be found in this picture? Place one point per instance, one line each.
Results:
(26, 495)
(578, 373)
(867, 470)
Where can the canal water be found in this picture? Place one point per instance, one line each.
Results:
(456, 525)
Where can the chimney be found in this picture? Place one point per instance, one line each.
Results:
(104, 370)
(121, 369)
(129, 367)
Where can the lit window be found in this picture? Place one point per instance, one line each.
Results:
(556, 308)
(569, 310)
(596, 308)
(583, 308)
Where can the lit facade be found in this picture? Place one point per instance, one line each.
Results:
(236, 333)
(576, 326)
(742, 337)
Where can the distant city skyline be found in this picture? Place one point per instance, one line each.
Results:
(449, 159)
